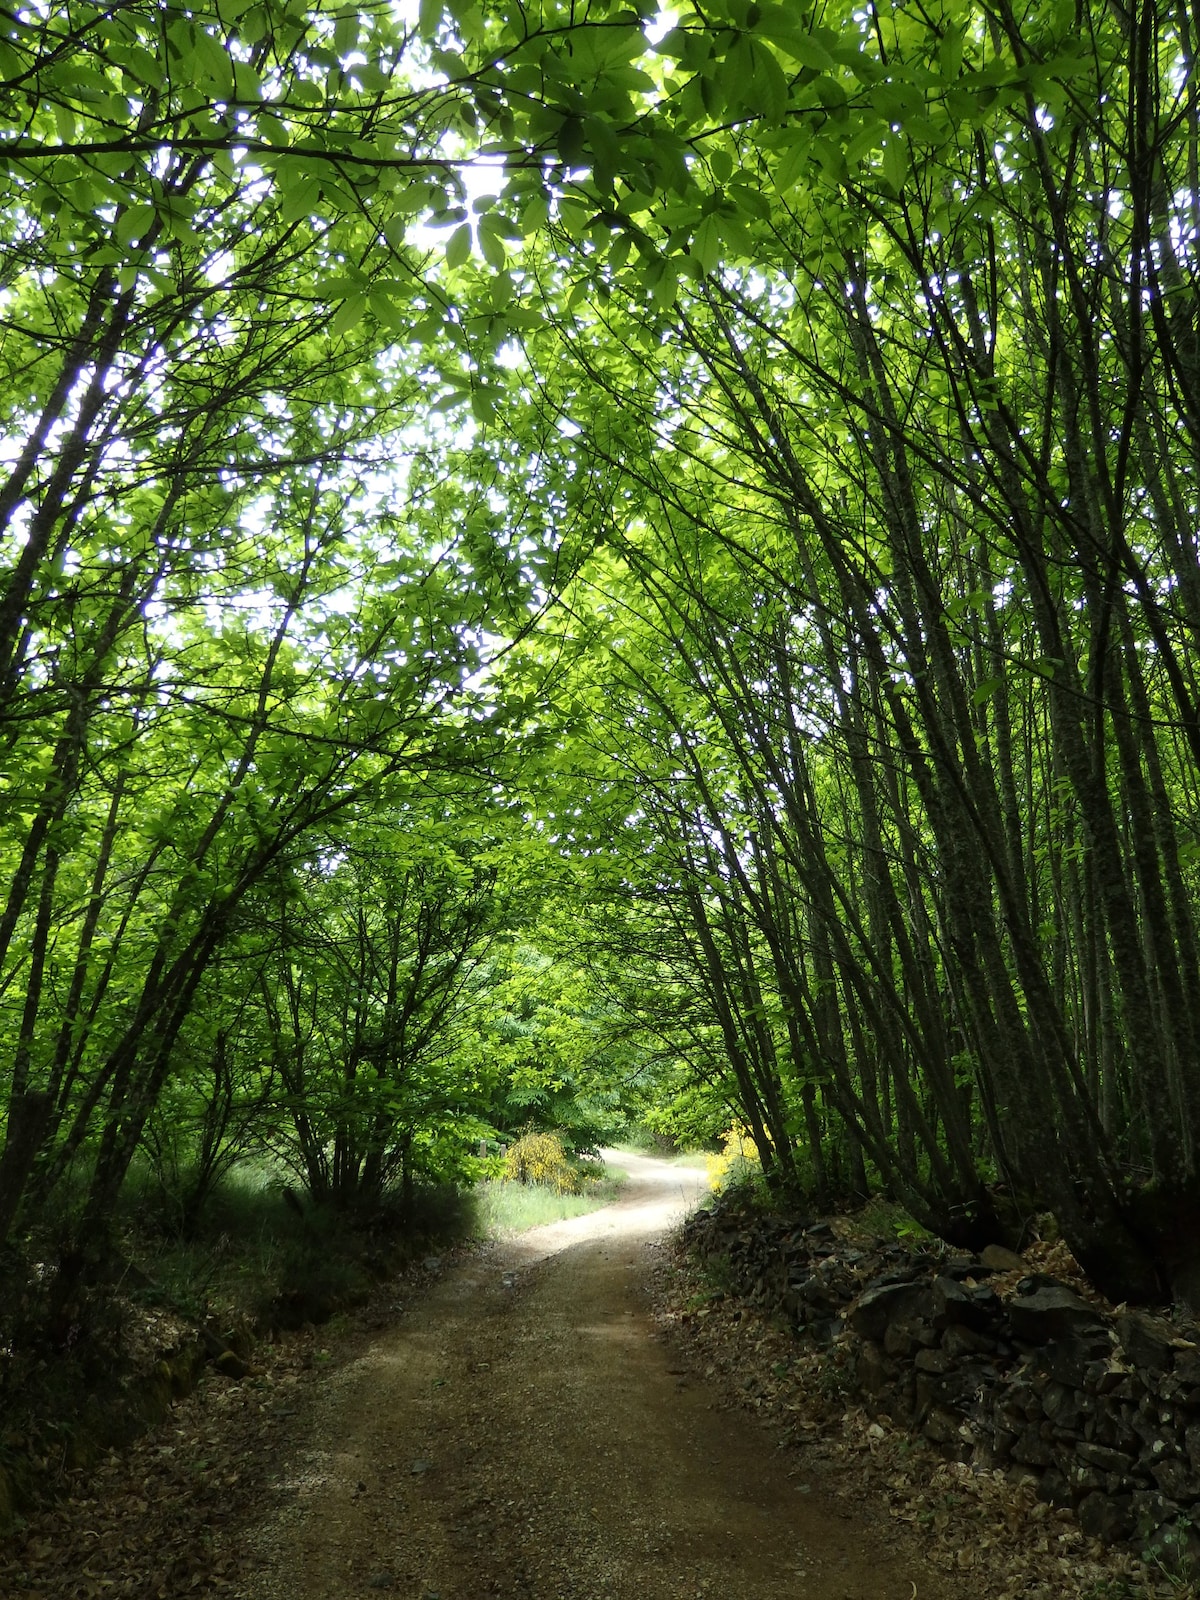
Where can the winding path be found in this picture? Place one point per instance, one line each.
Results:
(524, 1432)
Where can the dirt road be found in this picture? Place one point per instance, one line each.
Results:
(524, 1433)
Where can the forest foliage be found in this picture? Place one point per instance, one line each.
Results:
(560, 559)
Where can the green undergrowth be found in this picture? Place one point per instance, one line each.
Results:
(81, 1332)
(263, 1251)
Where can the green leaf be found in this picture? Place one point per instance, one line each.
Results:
(345, 34)
(535, 214)
(665, 286)
(458, 246)
(705, 244)
(572, 143)
(770, 84)
(483, 404)
(348, 315)
(387, 312)
(720, 164)
(491, 245)
(247, 85)
(895, 163)
(134, 223)
(986, 690)
(801, 46)
(64, 121)
(792, 163)
(605, 148)
(429, 18)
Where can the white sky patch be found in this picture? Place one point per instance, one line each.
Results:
(660, 26)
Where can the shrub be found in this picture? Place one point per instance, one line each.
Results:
(738, 1162)
(541, 1158)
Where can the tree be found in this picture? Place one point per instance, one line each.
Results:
(895, 512)
(228, 611)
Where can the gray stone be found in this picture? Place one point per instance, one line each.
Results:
(905, 1336)
(1067, 1359)
(1054, 1312)
(942, 1427)
(1176, 1480)
(1108, 1518)
(1061, 1404)
(1083, 1479)
(956, 1306)
(1098, 1455)
(1003, 1440)
(1032, 1450)
(876, 1307)
(987, 1298)
(874, 1371)
(936, 1361)
(1101, 1377)
(997, 1259)
(1150, 1510)
(1053, 1487)
(1147, 1340)
(959, 1342)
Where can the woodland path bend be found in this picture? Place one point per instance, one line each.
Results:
(523, 1432)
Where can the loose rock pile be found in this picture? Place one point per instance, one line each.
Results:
(996, 1365)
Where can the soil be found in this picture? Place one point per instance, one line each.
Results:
(527, 1432)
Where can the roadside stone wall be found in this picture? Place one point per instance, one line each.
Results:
(996, 1365)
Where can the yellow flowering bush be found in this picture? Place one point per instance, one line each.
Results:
(541, 1158)
(737, 1161)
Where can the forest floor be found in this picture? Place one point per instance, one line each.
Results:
(535, 1421)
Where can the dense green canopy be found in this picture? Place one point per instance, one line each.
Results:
(558, 560)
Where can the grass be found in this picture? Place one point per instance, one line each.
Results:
(503, 1207)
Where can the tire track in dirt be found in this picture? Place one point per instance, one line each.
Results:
(524, 1432)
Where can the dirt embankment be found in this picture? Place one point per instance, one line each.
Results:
(526, 1432)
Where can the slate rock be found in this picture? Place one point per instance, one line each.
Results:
(959, 1267)
(997, 1259)
(1031, 1450)
(1147, 1341)
(807, 1301)
(960, 1342)
(874, 1372)
(1107, 1460)
(884, 1303)
(936, 1361)
(1050, 1312)
(1108, 1518)
(1066, 1360)
(1176, 1480)
(1054, 1488)
(955, 1305)
(1061, 1404)
(1082, 1479)
(943, 1428)
(1101, 1378)
(903, 1337)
